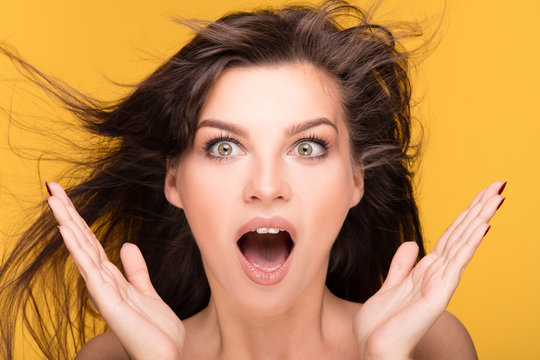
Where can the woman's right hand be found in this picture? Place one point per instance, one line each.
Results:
(146, 327)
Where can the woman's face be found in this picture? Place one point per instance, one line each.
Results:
(271, 153)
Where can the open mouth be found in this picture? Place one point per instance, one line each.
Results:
(265, 252)
(266, 248)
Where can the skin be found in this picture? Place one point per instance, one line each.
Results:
(266, 175)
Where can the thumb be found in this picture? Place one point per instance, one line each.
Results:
(135, 268)
(402, 264)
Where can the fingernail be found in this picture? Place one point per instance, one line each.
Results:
(58, 230)
(501, 203)
(48, 189)
(502, 188)
(489, 227)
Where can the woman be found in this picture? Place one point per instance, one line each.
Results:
(260, 181)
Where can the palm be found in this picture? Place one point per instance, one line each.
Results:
(144, 324)
(392, 322)
(127, 308)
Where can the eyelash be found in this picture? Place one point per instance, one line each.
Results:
(317, 140)
(213, 141)
(227, 138)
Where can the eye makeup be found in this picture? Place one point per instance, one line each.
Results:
(209, 146)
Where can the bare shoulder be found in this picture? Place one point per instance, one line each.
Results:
(447, 339)
(103, 346)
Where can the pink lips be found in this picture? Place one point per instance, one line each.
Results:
(257, 275)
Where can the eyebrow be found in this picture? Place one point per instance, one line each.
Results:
(303, 126)
(241, 131)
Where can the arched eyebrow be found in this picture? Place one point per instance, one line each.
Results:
(223, 125)
(308, 124)
(290, 131)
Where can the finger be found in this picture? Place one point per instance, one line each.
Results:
(136, 269)
(477, 198)
(84, 262)
(402, 264)
(459, 229)
(64, 219)
(495, 188)
(85, 229)
(441, 243)
(460, 223)
(457, 264)
(104, 281)
(485, 214)
(58, 191)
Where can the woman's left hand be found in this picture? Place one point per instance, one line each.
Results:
(393, 321)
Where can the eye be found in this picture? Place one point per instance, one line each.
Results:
(310, 148)
(222, 148)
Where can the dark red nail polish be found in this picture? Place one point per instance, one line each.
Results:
(489, 227)
(501, 203)
(48, 189)
(502, 188)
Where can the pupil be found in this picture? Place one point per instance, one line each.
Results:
(224, 149)
(305, 149)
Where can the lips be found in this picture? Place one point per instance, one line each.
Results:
(266, 255)
(272, 222)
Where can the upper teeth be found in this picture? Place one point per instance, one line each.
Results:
(268, 230)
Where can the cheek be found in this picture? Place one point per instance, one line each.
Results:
(207, 196)
(210, 198)
(327, 198)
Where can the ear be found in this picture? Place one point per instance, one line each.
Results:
(170, 188)
(358, 179)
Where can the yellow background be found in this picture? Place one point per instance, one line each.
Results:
(480, 109)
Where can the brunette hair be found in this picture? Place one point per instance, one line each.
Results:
(121, 194)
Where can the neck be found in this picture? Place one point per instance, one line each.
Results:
(314, 325)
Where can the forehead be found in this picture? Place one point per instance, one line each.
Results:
(287, 91)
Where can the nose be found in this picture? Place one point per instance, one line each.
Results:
(266, 182)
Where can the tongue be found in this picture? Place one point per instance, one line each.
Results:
(265, 251)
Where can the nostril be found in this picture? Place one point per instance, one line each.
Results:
(267, 185)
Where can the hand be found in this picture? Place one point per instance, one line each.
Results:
(146, 327)
(393, 321)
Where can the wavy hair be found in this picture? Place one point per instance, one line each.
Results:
(121, 194)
